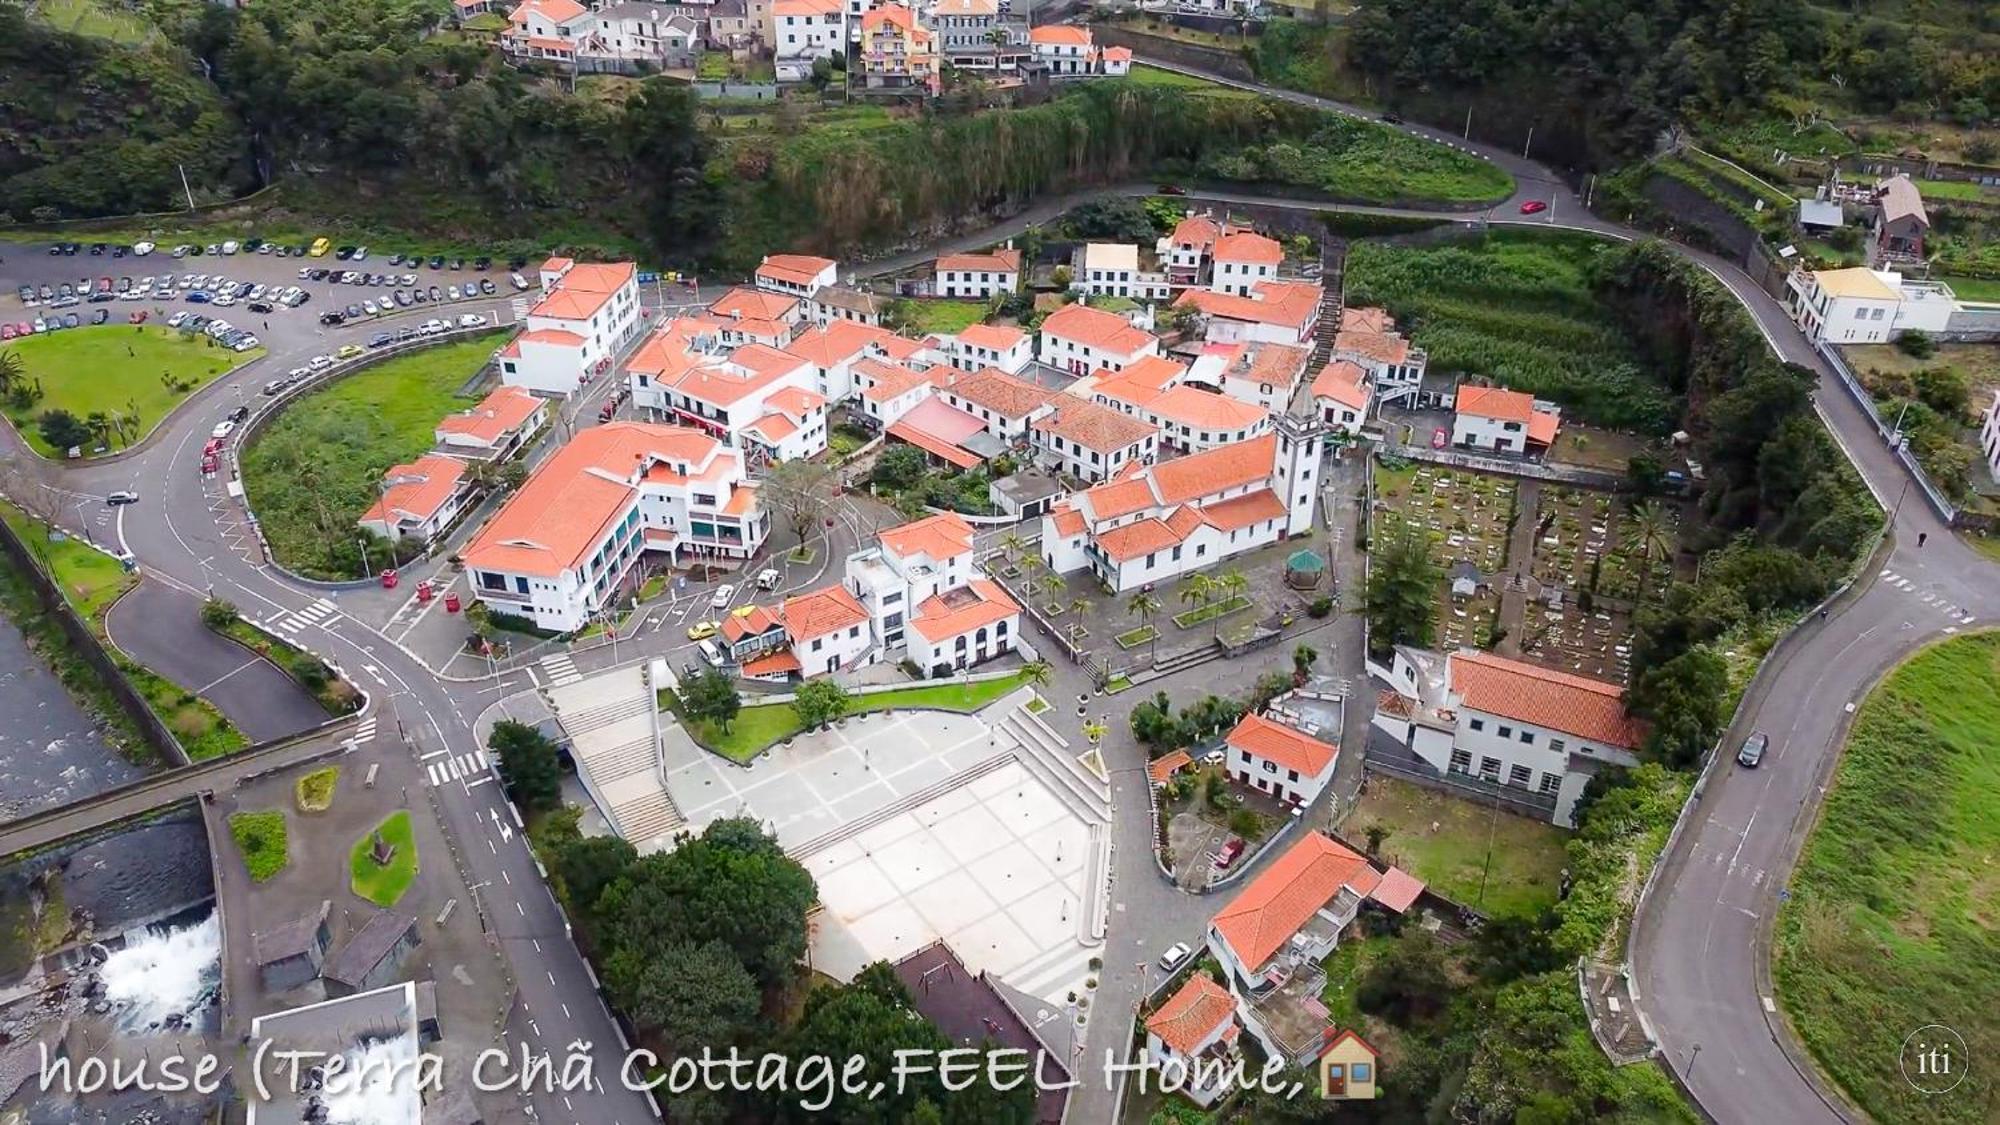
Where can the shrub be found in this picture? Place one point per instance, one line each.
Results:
(1916, 344)
(314, 791)
(260, 836)
(1321, 606)
(311, 671)
(219, 614)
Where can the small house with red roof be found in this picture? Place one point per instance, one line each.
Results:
(1494, 725)
(1194, 1033)
(1503, 421)
(1273, 758)
(1341, 395)
(795, 275)
(828, 629)
(1348, 1067)
(979, 275)
(418, 500)
(1272, 939)
(495, 428)
(1242, 260)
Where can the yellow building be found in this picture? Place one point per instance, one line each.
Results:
(898, 53)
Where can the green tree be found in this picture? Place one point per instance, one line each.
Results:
(819, 702)
(1649, 535)
(530, 765)
(585, 866)
(219, 614)
(1154, 725)
(1230, 587)
(1407, 985)
(900, 467)
(1402, 591)
(691, 996)
(1144, 605)
(1683, 700)
(712, 696)
(1037, 672)
(62, 430)
(13, 373)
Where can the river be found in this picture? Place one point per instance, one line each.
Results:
(50, 750)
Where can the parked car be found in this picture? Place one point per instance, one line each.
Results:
(482, 264)
(1534, 207)
(143, 248)
(486, 286)
(349, 351)
(471, 320)
(519, 283)
(436, 293)
(767, 579)
(1753, 750)
(261, 307)
(318, 248)
(723, 593)
(344, 253)
(380, 340)
(710, 652)
(419, 296)
(321, 362)
(223, 429)
(1175, 954)
(331, 316)
(402, 299)
(230, 247)
(1230, 853)
(7, 332)
(437, 261)
(702, 630)
(353, 311)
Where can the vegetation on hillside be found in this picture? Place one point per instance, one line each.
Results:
(1889, 926)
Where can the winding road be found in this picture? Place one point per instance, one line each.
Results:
(1700, 949)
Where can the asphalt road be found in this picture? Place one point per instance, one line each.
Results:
(1698, 947)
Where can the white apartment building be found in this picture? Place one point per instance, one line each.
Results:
(828, 630)
(1242, 260)
(640, 32)
(990, 345)
(546, 29)
(1864, 306)
(796, 275)
(1005, 405)
(1069, 52)
(1264, 375)
(1090, 441)
(758, 316)
(1157, 522)
(968, 30)
(1494, 722)
(1190, 418)
(1503, 421)
(1111, 269)
(1275, 312)
(979, 276)
(805, 31)
(753, 397)
(834, 348)
(923, 591)
(586, 314)
(495, 428)
(890, 390)
(1080, 339)
(1185, 252)
(563, 547)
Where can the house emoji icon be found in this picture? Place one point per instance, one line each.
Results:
(1347, 1067)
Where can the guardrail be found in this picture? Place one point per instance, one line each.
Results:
(1900, 448)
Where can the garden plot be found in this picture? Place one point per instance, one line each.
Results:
(1468, 516)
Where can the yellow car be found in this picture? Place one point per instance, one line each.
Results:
(702, 630)
(319, 247)
(349, 351)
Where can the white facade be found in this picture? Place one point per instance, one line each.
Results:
(1864, 306)
(587, 314)
(1007, 349)
(806, 30)
(1080, 340)
(1240, 277)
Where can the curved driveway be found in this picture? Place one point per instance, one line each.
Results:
(1697, 946)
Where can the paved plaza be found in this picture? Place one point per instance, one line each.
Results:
(926, 825)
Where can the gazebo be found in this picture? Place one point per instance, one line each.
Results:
(1305, 570)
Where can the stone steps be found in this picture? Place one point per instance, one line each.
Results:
(897, 808)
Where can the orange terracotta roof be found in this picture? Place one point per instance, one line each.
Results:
(898, 348)
(417, 489)
(1197, 231)
(1139, 382)
(776, 663)
(940, 537)
(557, 265)
(1117, 54)
(1288, 893)
(744, 303)
(772, 428)
(998, 337)
(567, 506)
(1248, 246)
(1382, 347)
(796, 402)
(497, 415)
(1542, 426)
(1275, 742)
(888, 13)
(1094, 426)
(1243, 511)
(1495, 402)
(556, 11)
(1397, 890)
(1001, 393)
(552, 336)
(584, 289)
(993, 261)
(1214, 470)
(806, 8)
(742, 499)
(907, 430)
(1056, 34)
(826, 610)
(1203, 409)
(1095, 328)
(1068, 521)
(887, 381)
(1193, 1014)
(838, 342)
(954, 613)
(1344, 382)
(799, 269)
(1140, 537)
(760, 619)
(1366, 319)
(1260, 362)
(1287, 304)
(1163, 768)
(1121, 496)
(1529, 693)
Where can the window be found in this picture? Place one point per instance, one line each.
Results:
(520, 585)
(1506, 731)
(1551, 782)
(1270, 767)
(1360, 1072)
(1527, 738)
(1520, 775)
(1556, 744)
(1292, 775)
(1478, 724)
(1489, 768)
(1461, 761)
(817, 642)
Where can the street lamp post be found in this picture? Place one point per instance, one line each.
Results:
(365, 571)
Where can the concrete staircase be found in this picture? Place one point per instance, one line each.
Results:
(597, 718)
(1333, 263)
(897, 808)
(1047, 755)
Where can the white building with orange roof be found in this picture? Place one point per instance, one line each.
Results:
(924, 592)
(1193, 1036)
(888, 389)
(1153, 523)
(990, 345)
(832, 303)
(729, 394)
(1004, 404)
(1276, 312)
(546, 29)
(418, 500)
(791, 428)
(758, 316)
(586, 314)
(829, 630)
(1368, 338)
(1090, 441)
(1184, 252)
(1341, 395)
(1069, 52)
(1487, 722)
(1277, 760)
(495, 428)
(1259, 373)
(834, 348)
(1242, 260)
(1271, 940)
(1503, 421)
(796, 275)
(1080, 339)
(1190, 418)
(564, 545)
(1112, 269)
(805, 31)
(979, 275)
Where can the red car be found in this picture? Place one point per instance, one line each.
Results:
(207, 465)
(1533, 207)
(6, 332)
(213, 447)
(1439, 439)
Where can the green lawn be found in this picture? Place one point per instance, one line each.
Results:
(384, 886)
(313, 471)
(1956, 189)
(1133, 638)
(1973, 288)
(90, 579)
(260, 837)
(1357, 161)
(1527, 855)
(1894, 916)
(1344, 971)
(1211, 611)
(99, 21)
(756, 728)
(946, 315)
(492, 22)
(115, 369)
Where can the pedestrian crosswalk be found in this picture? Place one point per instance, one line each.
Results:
(520, 307)
(316, 615)
(1946, 606)
(561, 669)
(458, 767)
(364, 731)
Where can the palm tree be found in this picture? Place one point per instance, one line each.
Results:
(99, 425)
(1011, 546)
(1198, 591)
(1095, 732)
(1029, 565)
(1231, 586)
(1077, 606)
(1038, 673)
(998, 38)
(1145, 606)
(1055, 584)
(12, 371)
(1647, 535)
